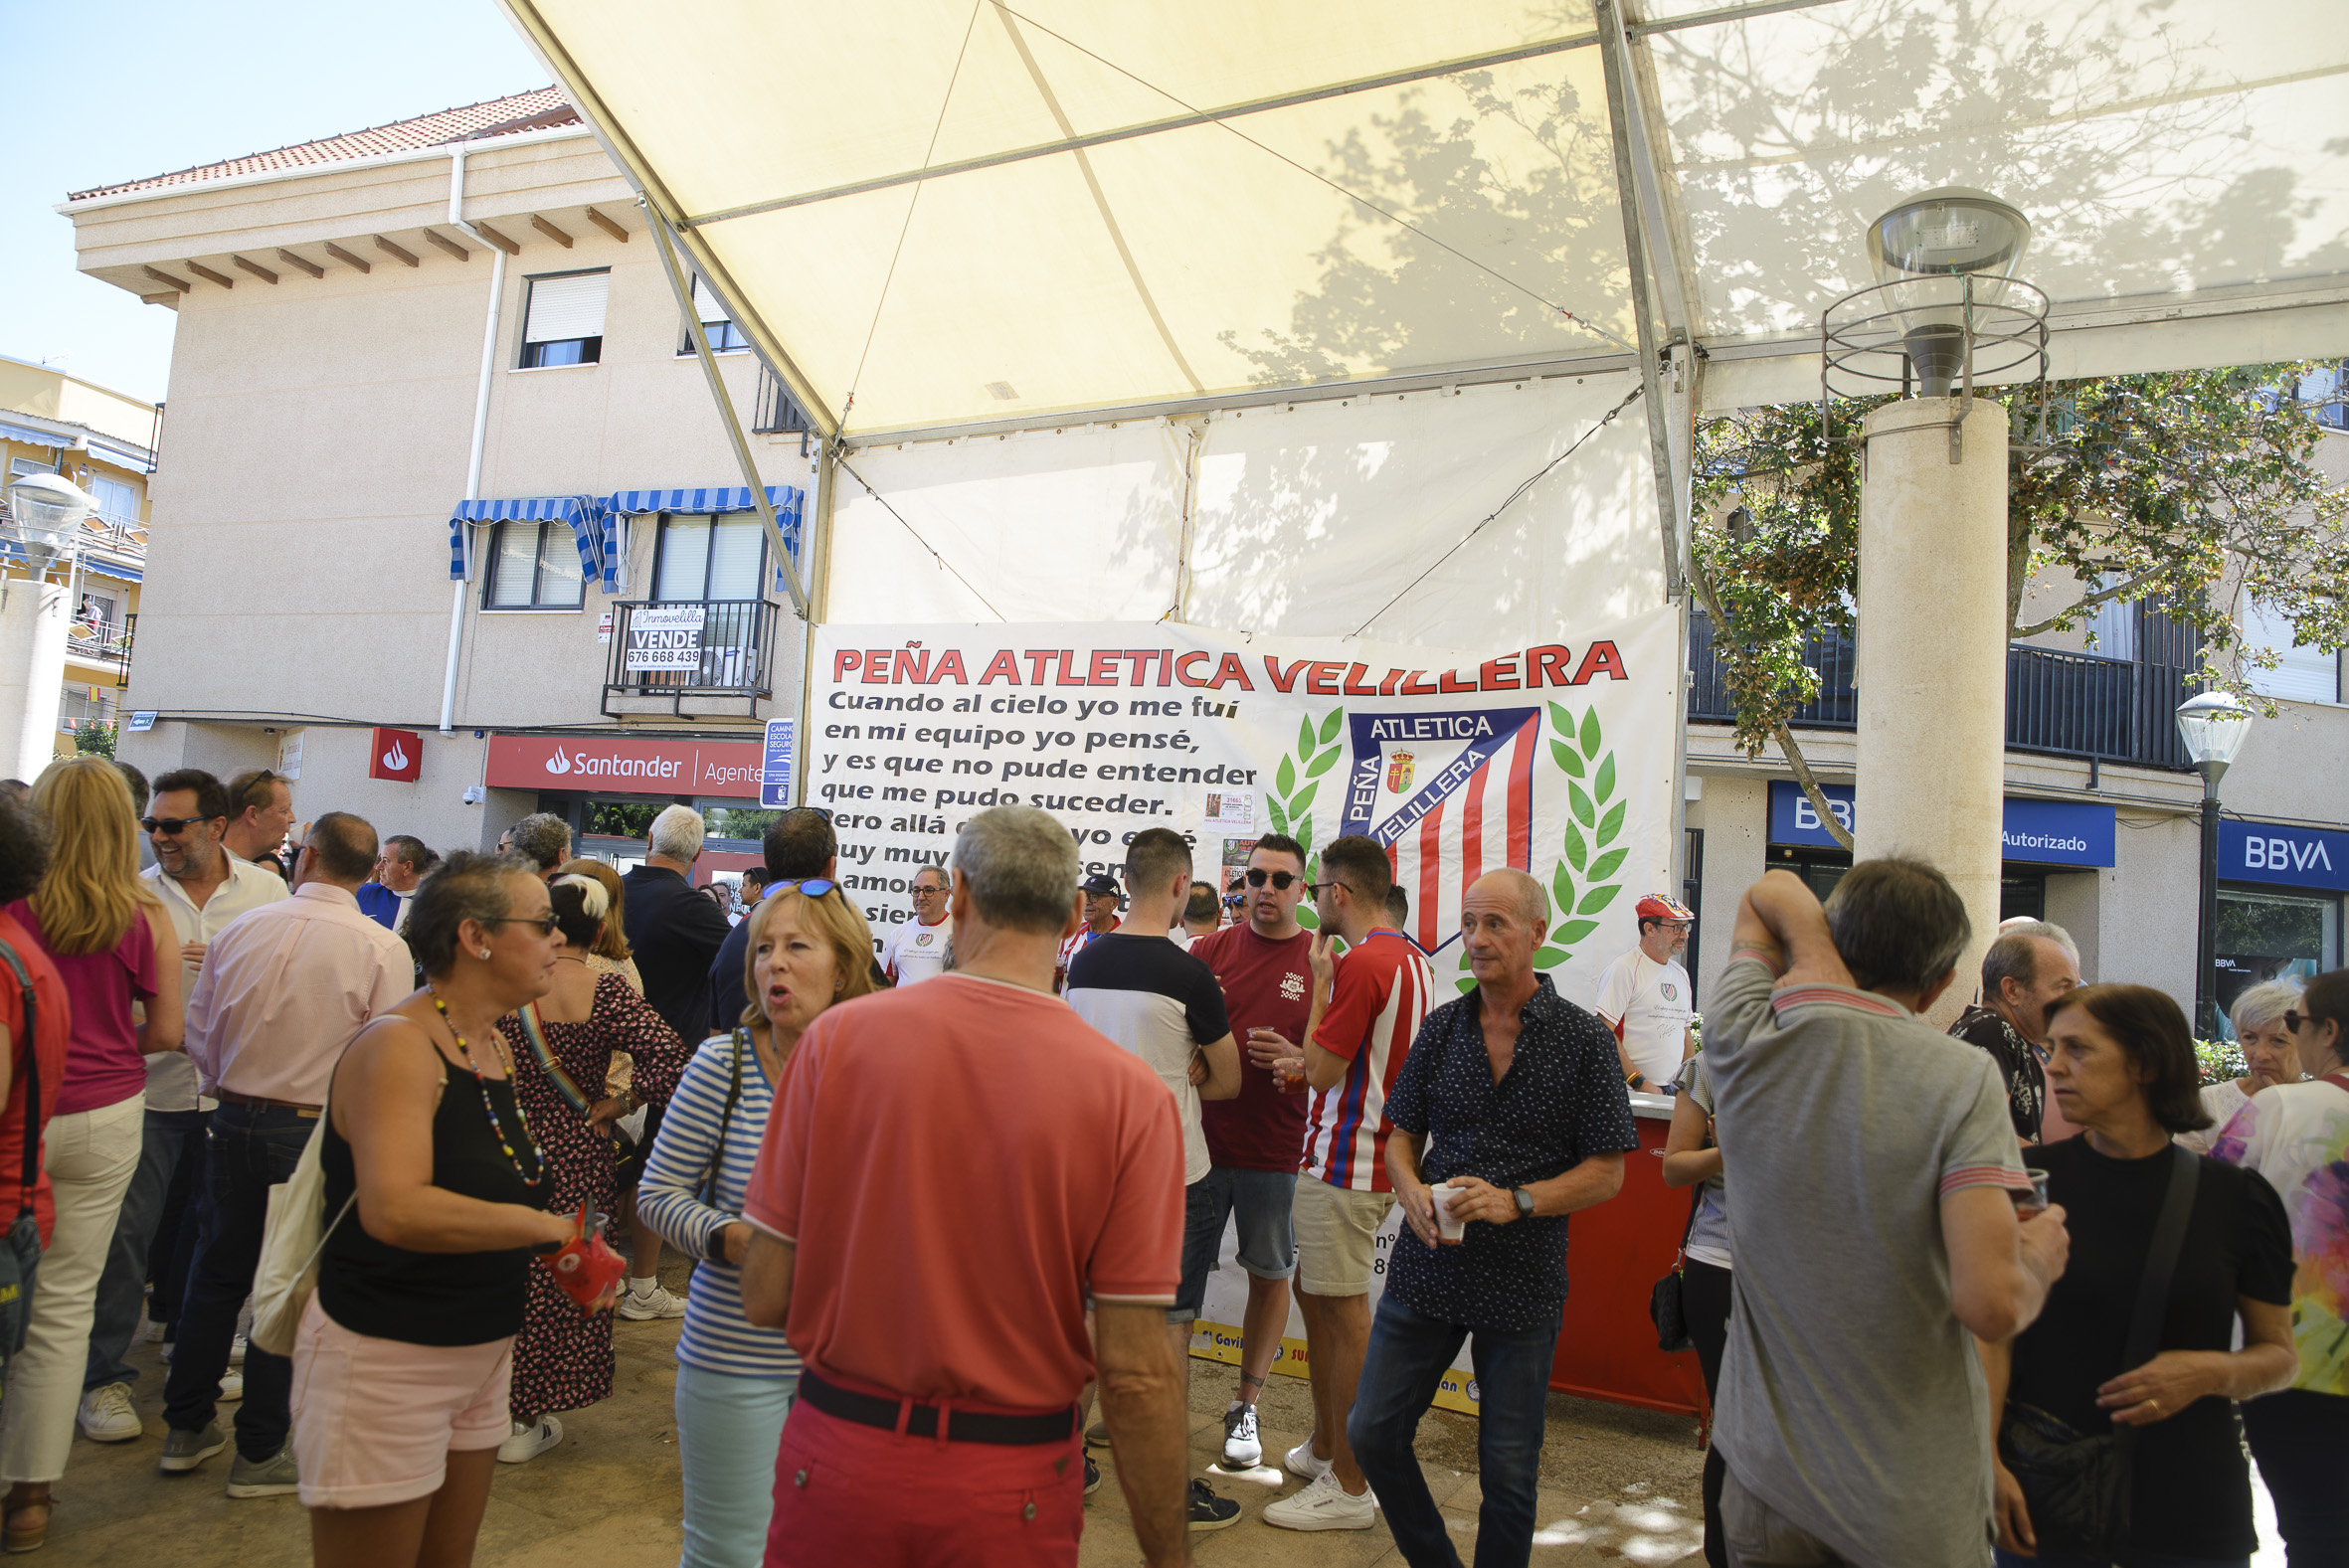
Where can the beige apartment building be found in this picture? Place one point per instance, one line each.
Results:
(461, 316)
(104, 442)
(374, 331)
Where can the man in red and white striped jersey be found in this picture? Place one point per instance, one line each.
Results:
(1366, 1009)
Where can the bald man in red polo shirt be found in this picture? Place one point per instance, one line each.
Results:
(950, 1172)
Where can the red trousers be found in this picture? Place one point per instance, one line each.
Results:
(853, 1495)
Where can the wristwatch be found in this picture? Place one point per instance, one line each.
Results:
(1525, 1203)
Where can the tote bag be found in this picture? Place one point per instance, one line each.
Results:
(292, 1240)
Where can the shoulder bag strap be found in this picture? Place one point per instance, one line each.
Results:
(2161, 1265)
(709, 1180)
(544, 1055)
(32, 1176)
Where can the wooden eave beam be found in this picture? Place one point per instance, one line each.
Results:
(496, 238)
(550, 231)
(346, 259)
(449, 245)
(211, 276)
(389, 248)
(253, 267)
(303, 262)
(607, 226)
(168, 280)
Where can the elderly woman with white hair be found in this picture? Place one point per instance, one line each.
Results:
(2269, 1057)
(563, 1045)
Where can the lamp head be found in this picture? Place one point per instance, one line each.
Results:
(1928, 245)
(2213, 725)
(44, 517)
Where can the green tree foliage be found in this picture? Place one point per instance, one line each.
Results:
(2189, 487)
(94, 737)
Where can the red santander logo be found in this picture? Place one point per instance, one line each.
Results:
(396, 755)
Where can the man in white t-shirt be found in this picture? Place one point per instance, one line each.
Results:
(915, 950)
(1645, 997)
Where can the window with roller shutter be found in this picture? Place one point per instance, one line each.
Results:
(563, 323)
(720, 329)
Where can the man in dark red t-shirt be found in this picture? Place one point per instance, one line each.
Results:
(1254, 1141)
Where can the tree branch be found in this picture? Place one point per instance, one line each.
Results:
(1788, 747)
(2117, 590)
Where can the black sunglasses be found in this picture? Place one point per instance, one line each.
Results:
(1315, 888)
(2294, 1018)
(170, 826)
(544, 923)
(1278, 879)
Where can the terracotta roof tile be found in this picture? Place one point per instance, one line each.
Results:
(506, 116)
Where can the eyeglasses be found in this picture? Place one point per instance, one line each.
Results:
(812, 887)
(170, 826)
(544, 923)
(922, 888)
(1316, 888)
(2294, 1018)
(1280, 879)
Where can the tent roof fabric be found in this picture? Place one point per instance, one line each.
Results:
(997, 212)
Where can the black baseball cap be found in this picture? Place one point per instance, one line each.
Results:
(1097, 883)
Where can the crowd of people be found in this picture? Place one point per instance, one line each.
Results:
(2022, 1291)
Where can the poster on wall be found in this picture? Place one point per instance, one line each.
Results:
(1557, 758)
(664, 637)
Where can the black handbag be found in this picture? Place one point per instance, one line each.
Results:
(2078, 1488)
(1665, 1308)
(20, 1252)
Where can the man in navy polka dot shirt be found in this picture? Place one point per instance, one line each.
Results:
(1513, 1100)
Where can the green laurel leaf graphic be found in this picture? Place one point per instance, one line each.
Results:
(1590, 731)
(1577, 747)
(1561, 887)
(1285, 779)
(1305, 735)
(1466, 982)
(1323, 763)
(1561, 721)
(1573, 930)
(1611, 825)
(1598, 898)
(1329, 724)
(1280, 818)
(1550, 957)
(1584, 812)
(1569, 761)
(1304, 835)
(1604, 785)
(1302, 798)
(1577, 852)
(1604, 866)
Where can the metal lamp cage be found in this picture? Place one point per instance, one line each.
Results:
(1997, 328)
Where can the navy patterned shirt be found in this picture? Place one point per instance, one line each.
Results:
(1561, 1100)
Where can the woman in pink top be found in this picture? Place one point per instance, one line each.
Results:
(113, 944)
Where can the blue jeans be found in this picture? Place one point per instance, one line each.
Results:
(251, 1149)
(122, 1290)
(728, 1427)
(1408, 1356)
(1202, 1236)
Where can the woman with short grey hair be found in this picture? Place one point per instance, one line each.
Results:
(2268, 1057)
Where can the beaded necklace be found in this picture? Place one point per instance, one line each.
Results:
(489, 1107)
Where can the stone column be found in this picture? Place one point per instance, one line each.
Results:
(32, 674)
(1932, 654)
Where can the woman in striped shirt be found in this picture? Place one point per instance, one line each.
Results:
(808, 948)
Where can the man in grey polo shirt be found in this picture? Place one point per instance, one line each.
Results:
(1877, 1233)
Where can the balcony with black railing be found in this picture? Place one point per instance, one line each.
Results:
(715, 654)
(2059, 704)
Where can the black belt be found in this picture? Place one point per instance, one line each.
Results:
(921, 1419)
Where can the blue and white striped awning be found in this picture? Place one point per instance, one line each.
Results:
(788, 500)
(33, 437)
(593, 529)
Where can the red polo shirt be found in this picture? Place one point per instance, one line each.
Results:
(960, 1166)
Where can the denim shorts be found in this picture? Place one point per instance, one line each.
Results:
(1202, 1235)
(1262, 1199)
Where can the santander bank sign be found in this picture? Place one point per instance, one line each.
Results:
(624, 765)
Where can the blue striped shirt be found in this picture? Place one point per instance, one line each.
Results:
(716, 1338)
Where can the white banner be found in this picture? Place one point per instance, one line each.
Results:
(664, 637)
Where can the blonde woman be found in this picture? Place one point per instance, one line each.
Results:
(808, 948)
(115, 946)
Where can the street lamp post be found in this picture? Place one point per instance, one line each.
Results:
(43, 521)
(2214, 727)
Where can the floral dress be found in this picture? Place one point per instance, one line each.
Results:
(563, 1360)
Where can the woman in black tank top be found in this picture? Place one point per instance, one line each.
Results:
(420, 1284)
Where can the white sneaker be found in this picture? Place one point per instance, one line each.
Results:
(528, 1443)
(1242, 1449)
(237, 1351)
(154, 1331)
(1300, 1461)
(1322, 1504)
(641, 1304)
(232, 1386)
(105, 1414)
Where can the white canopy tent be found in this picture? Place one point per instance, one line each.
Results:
(1110, 305)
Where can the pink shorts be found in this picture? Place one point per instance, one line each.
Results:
(375, 1419)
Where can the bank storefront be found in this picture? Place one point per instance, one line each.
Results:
(2280, 904)
(2042, 838)
(610, 788)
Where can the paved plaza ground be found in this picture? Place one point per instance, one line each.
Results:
(1618, 1487)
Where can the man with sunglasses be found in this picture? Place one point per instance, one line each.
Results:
(204, 887)
(915, 950)
(1255, 1139)
(1644, 997)
(1100, 892)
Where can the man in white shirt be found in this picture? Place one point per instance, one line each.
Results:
(915, 950)
(203, 887)
(1645, 996)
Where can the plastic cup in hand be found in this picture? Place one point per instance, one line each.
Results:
(2035, 1200)
(1448, 1230)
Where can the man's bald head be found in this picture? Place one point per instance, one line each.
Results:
(1517, 889)
(1502, 922)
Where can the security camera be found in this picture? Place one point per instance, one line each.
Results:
(473, 794)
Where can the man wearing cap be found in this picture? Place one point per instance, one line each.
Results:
(1101, 918)
(1645, 997)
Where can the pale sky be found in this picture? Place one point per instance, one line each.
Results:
(144, 88)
